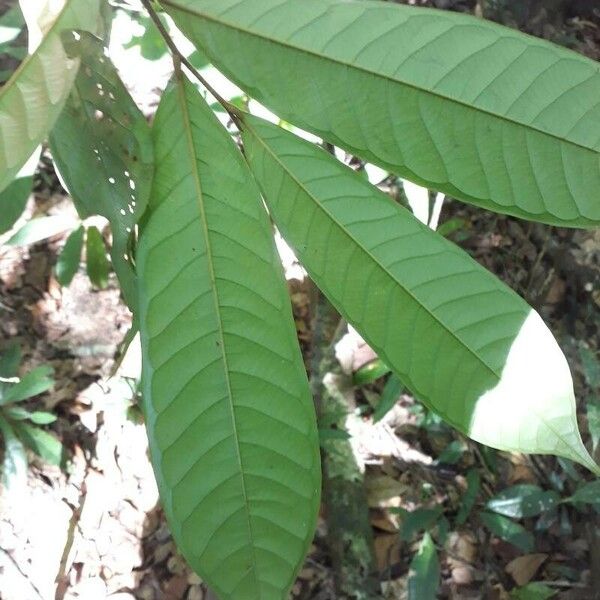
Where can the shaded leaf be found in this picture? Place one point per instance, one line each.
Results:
(229, 414)
(111, 176)
(37, 381)
(68, 261)
(14, 197)
(508, 530)
(593, 417)
(458, 104)
(452, 453)
(523, 500)
(469, 497)
(417, 520)
(587, 494)
(390, 395)
(424, 575)
(533, 591)
(10, 360)
(460, 340)
(97, 264)
(33, 97)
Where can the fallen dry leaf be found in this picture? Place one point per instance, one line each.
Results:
(523, 568)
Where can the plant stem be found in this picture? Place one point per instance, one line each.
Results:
(179, 58)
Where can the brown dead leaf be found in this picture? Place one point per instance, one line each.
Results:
(523, 568)
(387, 550)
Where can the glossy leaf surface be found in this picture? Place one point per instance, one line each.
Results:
(229, 414)
(470, 108)
(102, 147)
(462, 341)
(33, 97)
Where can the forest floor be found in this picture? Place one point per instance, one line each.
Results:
(95, 530)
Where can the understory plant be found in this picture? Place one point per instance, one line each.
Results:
(471, 109)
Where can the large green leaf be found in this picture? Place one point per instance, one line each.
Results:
(102, 147)
(229, 414)
(465, 106)
(462, 341)
(33, 97)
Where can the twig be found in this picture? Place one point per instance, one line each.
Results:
(179, 58)
(25, 577)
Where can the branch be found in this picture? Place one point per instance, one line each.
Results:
(179, 58)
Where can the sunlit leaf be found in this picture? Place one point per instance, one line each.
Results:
(33, 97)
(39, 229)
(229, 415)
(455, 103)
(37, 381)
(102, 148)
(588, 493)
(14, 463)
(42, 443)
(523, 500)
(370, 372)
(68, 261)
(460, 340)
(533, 591)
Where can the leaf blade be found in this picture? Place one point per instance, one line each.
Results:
(455, 103)
(248, 524)
(464, 343)
(33, 97)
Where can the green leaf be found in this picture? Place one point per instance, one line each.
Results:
(102, 148)
(533, 591)
(508, 530)
(14, 462)
(151, 44)
(97, 263)
(38, 417)
(10, 360)
(37, 381)
(470, 496)
(591, 367)
(460, 340)
(33, 97)
(587, 494)
(424, 575)
(68, 261)
(390, 395)
(452, 453)
(229, 414)
(523, 500)
(370, 372)
(593, 417)
(418, 520)
(14, 197)
(39, 229)
(42, 443)
(458, 104)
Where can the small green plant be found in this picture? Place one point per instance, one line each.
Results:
(471, 109)
(21, 428)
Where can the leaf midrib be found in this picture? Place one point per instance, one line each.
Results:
(181, 94)
(350, 65)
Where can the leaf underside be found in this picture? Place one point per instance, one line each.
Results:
(229, 414)
(102, 146)
(478, 111)
(461, 340)
(32, 99)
